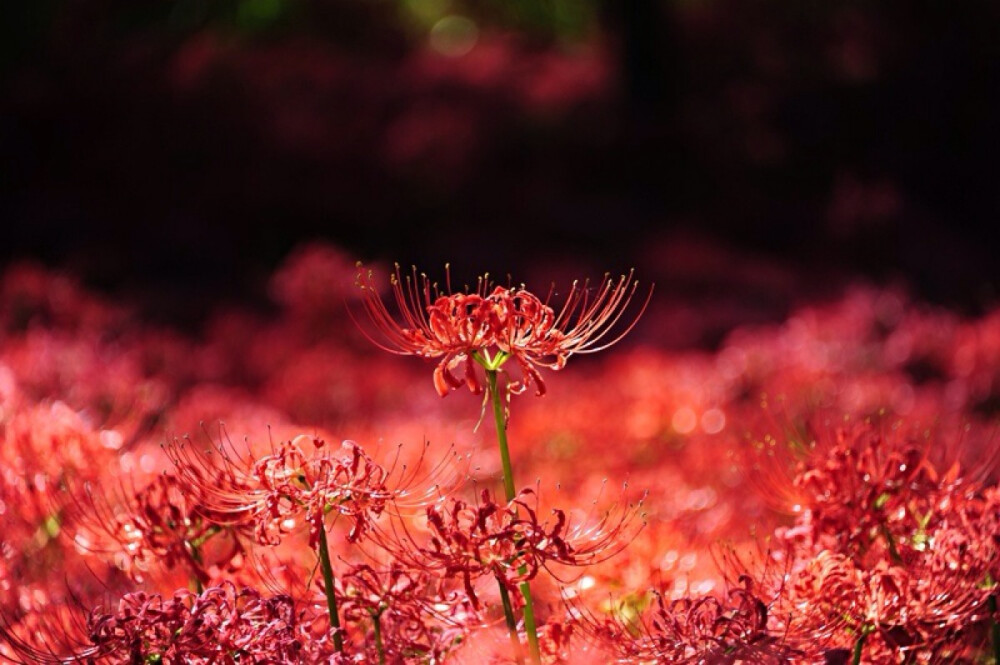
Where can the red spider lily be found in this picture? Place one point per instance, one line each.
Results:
(493, 324)
(43, 447)
(722, 631)
(869, 491)
(264, 495)
(890, 555)
(158, 525)
(410, 613)
(222, 625)
(915, 611)
(510, 542)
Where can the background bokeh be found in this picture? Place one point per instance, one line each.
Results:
(744, 155)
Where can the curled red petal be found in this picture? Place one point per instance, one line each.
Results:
(471, 380)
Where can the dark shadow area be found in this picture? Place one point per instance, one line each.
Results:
(753, 152)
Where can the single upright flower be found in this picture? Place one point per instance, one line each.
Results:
(299, 480)
(511, 541)
(492, 324)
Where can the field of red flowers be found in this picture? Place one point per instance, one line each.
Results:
(279, 489)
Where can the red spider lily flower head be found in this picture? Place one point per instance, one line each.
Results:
(931, 597)
(157, 525)
(872, 491)
(917, 609)
(266, 495)
(493, 324)
(416, 614)
(891, 553)
(512, 541)
(302, 481)
(735, 628)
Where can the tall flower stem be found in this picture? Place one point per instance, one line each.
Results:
(501, 423)
(379, 647)
(196, 557)
(194, 547)
(529, 620)
(994, 628)
(859, 645)
(508, 487)
(508, 615)
(328, 583)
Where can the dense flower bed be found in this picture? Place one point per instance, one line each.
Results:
(279, 489)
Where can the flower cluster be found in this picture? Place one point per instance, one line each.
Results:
(894, 550)
(728, 630)
(223, 625)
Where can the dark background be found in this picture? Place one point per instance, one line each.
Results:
(745, 154)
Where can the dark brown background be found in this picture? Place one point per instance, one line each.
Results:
(745, 155)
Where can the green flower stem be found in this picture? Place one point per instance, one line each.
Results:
(859, 645)
(529, 619)
(994, 629)
(196, 584)
(508, 615)
(501, 421)
(194, 546)
(205, 537)
(508, 487)
(328, 583)
(379, 647)
(893, 552)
